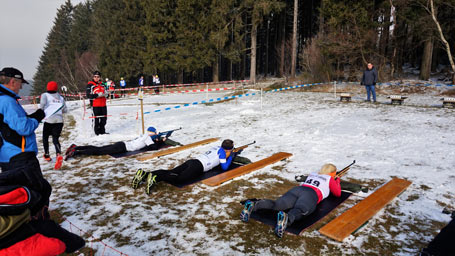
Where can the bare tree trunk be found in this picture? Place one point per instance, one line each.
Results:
(425, 67)
(266, 68)
(294, 39)
(216, 69)
(254, 32)
(244, 57)
(392, 39)
(444, 41)
(180, 76)
(282, 43)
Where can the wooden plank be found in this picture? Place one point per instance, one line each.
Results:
(229, 175)
(348, 222)
(176, 149)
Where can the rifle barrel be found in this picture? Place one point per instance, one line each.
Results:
(344, 170)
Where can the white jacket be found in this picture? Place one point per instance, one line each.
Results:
(52, 100)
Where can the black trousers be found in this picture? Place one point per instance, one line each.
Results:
(53, 130)
(24, 169)
(442, 244)
(116, 148)
(100, 122)
(300, 201)
(181, 173)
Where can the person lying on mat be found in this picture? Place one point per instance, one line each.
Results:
(221, 155)
(152, 140)
(299, 201)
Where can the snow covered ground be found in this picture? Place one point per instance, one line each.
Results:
(414, 141)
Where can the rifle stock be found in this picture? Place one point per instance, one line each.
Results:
(239, 148)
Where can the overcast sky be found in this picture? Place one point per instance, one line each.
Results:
(24, 25)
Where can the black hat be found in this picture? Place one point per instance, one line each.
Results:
(227, 144)
(14, 73)
(97, 73)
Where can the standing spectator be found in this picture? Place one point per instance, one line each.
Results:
(156, 79)
(98, 94)
(111, 88)
(369, 79)
(122, 86)
(18, 146)
(91, 84)
(54, 105)
(141, 82)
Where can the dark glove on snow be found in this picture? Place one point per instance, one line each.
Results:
(38, 115)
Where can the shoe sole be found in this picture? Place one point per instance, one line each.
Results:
(149, 184)
(279, 229)
(58, 163)
(137, 179)
(245, 215)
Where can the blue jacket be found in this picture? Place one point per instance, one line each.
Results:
(222, 155)
(15, 127)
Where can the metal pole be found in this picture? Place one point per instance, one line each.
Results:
(207, 91)
(335, 89)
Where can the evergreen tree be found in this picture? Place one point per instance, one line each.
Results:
(54, 63)
(81, 43)
(106, 32)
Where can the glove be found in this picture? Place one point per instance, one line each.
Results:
(38, 115)
(239, 152)
(100, 94)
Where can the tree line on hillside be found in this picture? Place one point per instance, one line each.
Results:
(187, 41)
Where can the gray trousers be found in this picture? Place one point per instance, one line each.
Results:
(300, 201)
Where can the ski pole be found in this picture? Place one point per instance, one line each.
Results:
(344, 170)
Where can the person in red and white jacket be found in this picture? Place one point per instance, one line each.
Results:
(98, 94)
(299, 201)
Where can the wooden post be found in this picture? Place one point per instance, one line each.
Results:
(141, 98)
(261, 97)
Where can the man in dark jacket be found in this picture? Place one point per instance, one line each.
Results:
(369, 79)
(18, 146)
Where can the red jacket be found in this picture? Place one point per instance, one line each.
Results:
(15, 199)
(36, 245)
(99, 101)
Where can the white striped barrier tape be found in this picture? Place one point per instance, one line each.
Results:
(227, 98)
(201, 102)
(407, 84)
(190, 91)
(292, 87)
(220, 99)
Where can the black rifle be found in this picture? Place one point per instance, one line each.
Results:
(344, 170)
(167, 133)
